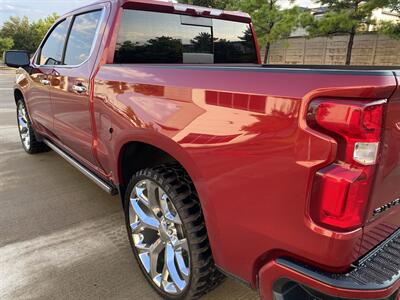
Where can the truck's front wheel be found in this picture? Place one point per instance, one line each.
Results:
(167, 233)
(28, 138)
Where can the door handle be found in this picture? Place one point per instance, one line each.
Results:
(45, 81)
(79, 88)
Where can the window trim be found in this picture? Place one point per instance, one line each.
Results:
(96, 36)
(42, 44)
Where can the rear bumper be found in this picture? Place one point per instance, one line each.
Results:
(375, 276)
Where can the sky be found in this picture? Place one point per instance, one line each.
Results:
(36, 9)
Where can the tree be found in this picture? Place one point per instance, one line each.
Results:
(394, 5)
(20, 31)
(42, 26)
(202, 43)
(5, 45)
(345, 16)
(271, 23)
(26, 35)
(161, 49)
(391, 28)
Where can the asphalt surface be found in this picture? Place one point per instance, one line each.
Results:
(61, 237)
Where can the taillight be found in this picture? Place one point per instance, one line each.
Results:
(341, 191)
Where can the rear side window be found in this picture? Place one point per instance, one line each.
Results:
(160, 38)
(52, 50)
(82, 37)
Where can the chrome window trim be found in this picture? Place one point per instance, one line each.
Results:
(96, 36)
(38, 52)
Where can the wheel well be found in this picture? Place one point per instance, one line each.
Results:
(18, 96)
(137, 156)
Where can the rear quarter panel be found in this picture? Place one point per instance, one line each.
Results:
(241, 134)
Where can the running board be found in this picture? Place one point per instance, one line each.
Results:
(109, 188)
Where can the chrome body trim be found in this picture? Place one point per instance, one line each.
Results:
(112, 190)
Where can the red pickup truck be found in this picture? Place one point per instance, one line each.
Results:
(286, 178)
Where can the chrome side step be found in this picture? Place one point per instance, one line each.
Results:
(109, 188)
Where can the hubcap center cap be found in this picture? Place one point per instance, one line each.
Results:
(167, 231)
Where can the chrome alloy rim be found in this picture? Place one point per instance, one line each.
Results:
(158, 237)
(23, 126)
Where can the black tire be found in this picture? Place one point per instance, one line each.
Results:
(35, 146)
(180, 189)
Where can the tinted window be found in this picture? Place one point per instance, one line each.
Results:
(233, 42)
(52, 50)
(151, 37)
(81, 38)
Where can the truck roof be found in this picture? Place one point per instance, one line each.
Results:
(171, 7)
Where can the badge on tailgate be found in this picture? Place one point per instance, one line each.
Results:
(385, 207)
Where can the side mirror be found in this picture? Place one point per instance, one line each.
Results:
(16, 59)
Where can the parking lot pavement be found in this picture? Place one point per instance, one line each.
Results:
(61, 237)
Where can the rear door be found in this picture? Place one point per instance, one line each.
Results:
(384, 211)
(70, 84)
(49, 55)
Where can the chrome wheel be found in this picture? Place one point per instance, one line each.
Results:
(23, 126)
(159, 238)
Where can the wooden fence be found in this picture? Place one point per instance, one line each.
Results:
(368, 49)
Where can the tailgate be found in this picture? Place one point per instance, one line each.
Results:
(384, 212)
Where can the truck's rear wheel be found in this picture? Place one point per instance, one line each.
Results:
(167, 233)
(28, 138)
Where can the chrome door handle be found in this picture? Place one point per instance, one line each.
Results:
(45, 82)
(78, 88)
